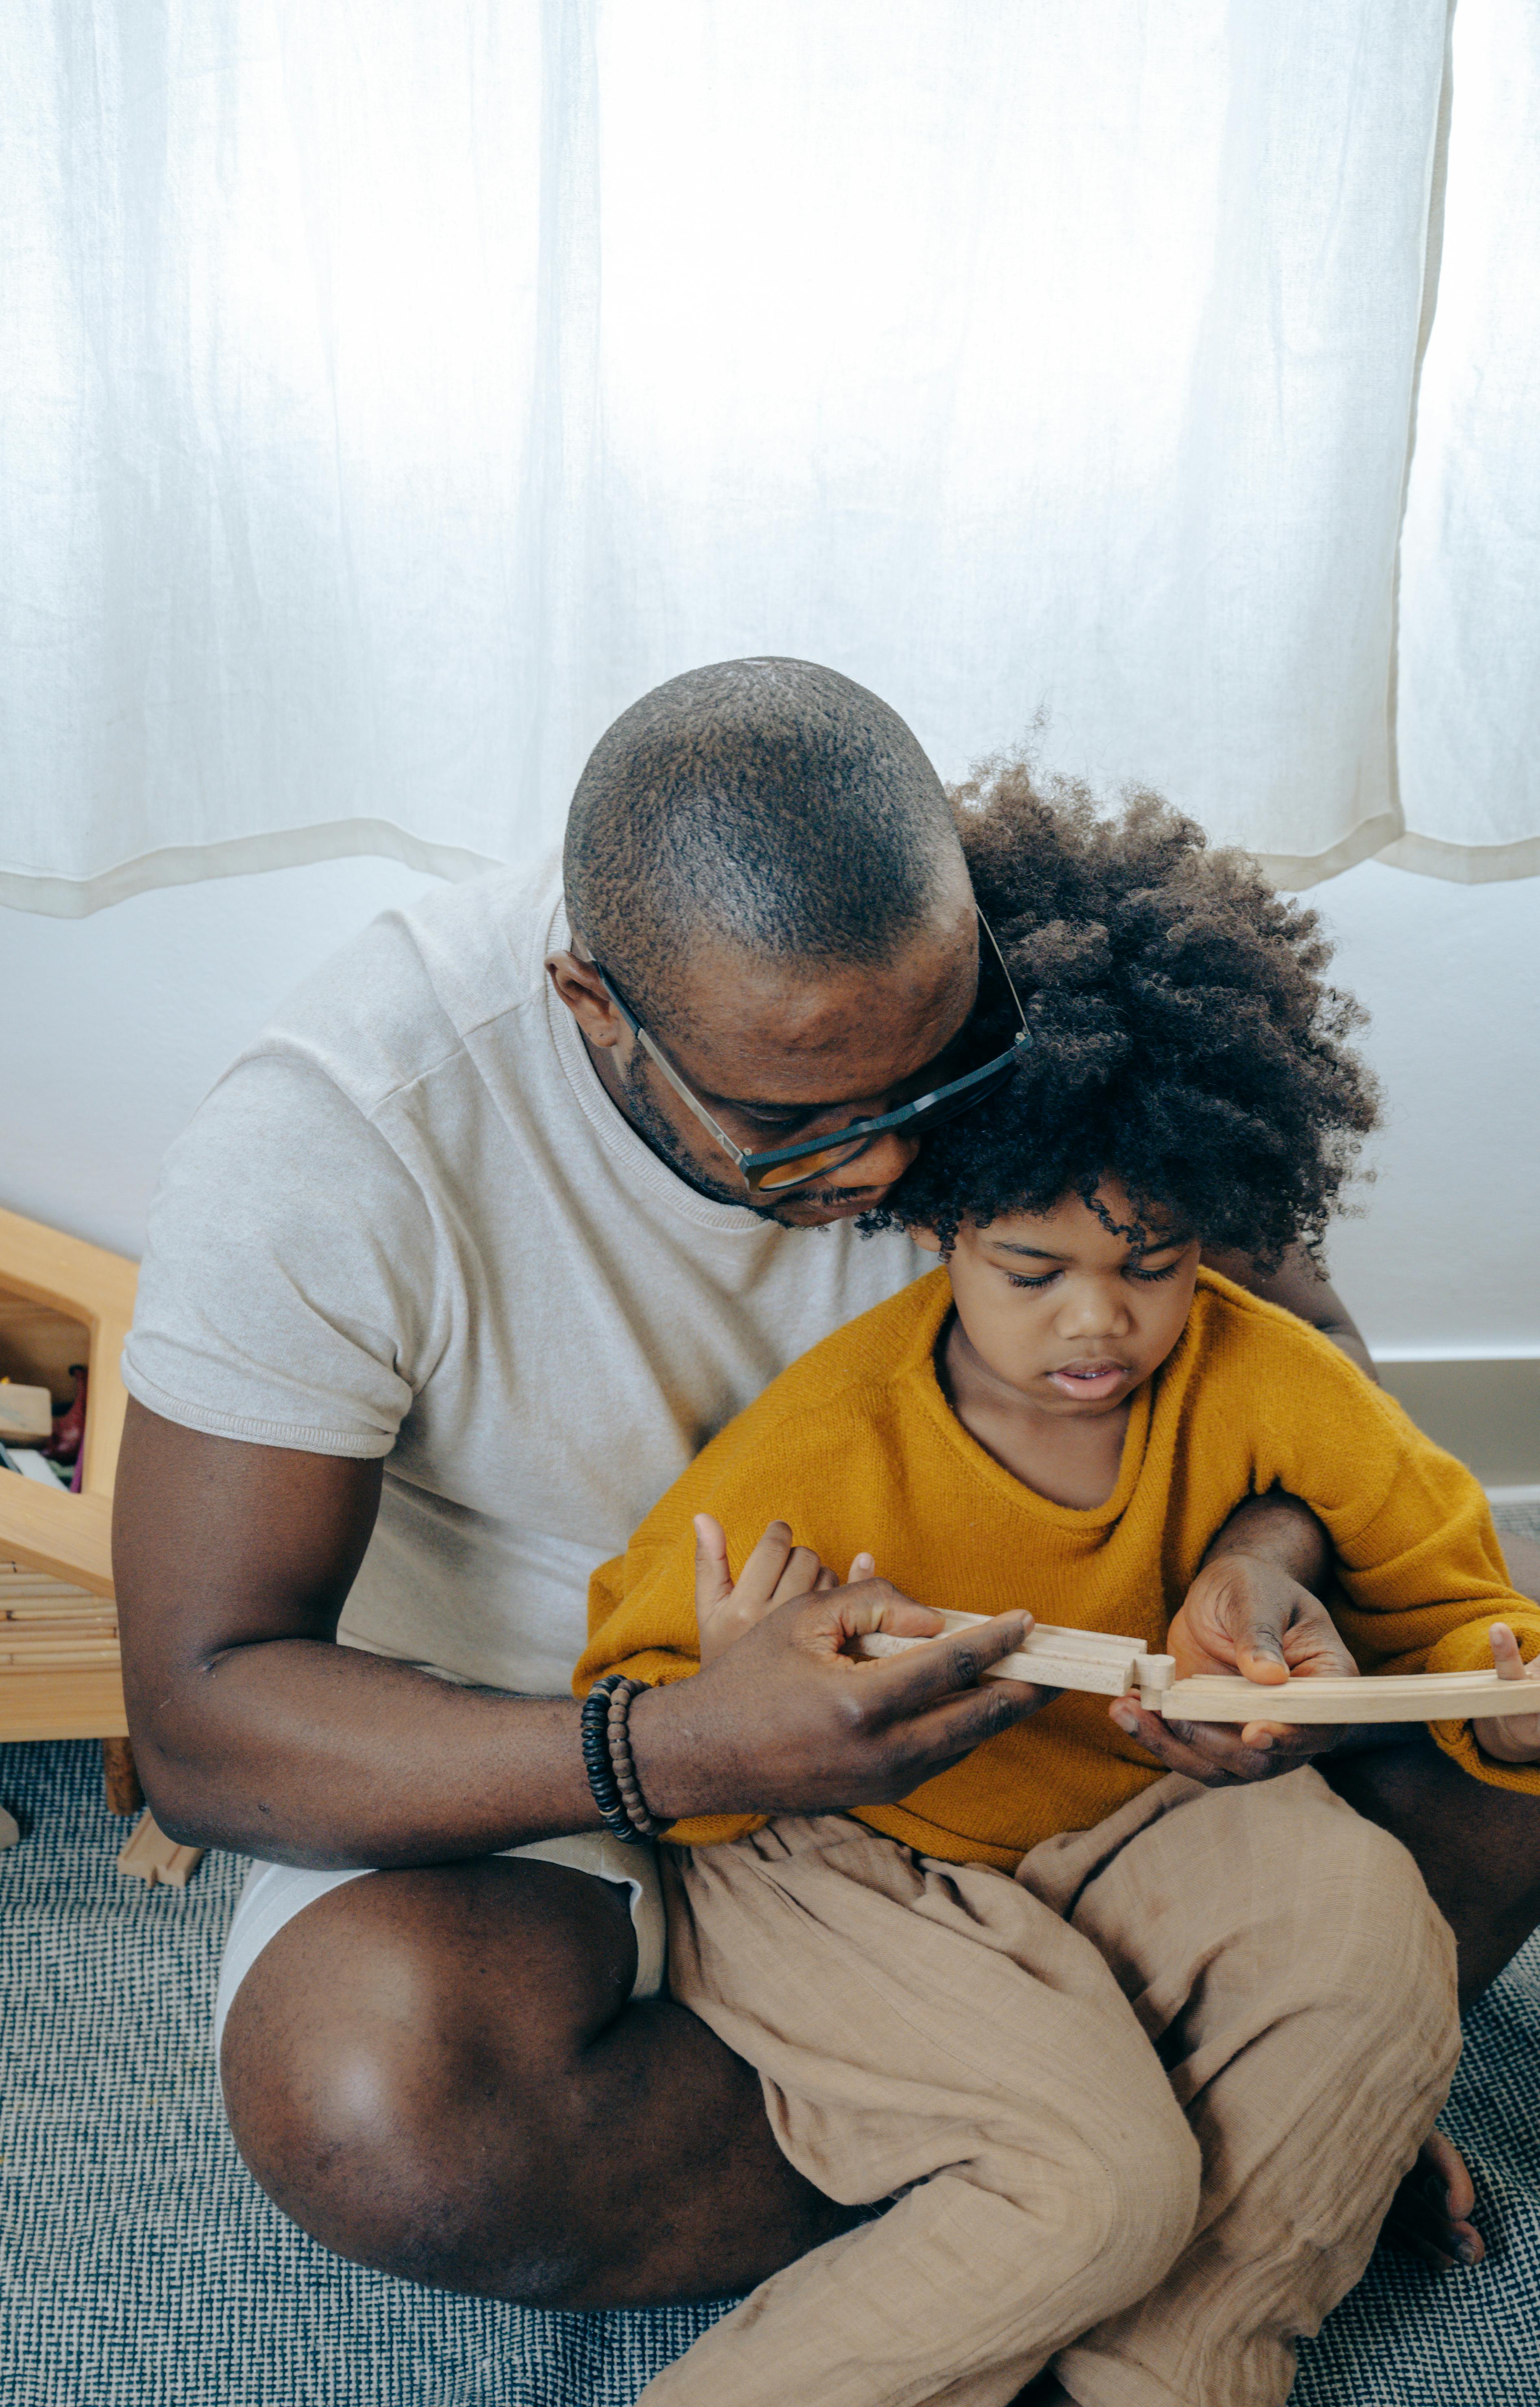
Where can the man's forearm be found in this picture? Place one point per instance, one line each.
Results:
(1282, 1530)
(1300, 1288)
(305, 1752)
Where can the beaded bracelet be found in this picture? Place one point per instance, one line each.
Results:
(646, 1824)
(607, 1755)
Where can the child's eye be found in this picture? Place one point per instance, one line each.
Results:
(1148, 1278)
(1017, 1280)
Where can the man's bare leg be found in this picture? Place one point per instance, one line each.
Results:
(437, 2072)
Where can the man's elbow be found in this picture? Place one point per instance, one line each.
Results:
(181, 1805)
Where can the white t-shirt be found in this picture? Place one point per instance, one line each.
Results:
(409, 1223)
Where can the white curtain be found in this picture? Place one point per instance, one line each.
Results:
(393, 389)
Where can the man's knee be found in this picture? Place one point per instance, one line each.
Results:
(416, 2110)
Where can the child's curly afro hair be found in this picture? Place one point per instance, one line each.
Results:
(1184, 1040)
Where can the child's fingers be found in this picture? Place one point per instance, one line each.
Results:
(1506, 1653)
(800, 1575)
(863, 1568)
(756, 1582)
(713, 1579)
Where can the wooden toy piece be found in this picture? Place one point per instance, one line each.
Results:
(1052, 1654)
(1394, 1696)
(9, 1834)
(26, 1414)
(1097, 1664)
(150, 1856)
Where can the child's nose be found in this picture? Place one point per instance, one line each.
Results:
(1090, 1309)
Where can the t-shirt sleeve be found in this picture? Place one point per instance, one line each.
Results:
(287, 1293)
(1422, 1566)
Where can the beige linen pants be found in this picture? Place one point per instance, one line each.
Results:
(1141, 2110)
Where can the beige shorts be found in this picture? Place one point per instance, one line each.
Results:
(275, 1893)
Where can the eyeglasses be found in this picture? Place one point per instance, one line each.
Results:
(786, 1166)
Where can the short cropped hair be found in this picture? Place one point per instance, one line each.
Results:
(766, 804)
(1184, 1040)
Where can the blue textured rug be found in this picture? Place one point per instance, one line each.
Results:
(141, 2267)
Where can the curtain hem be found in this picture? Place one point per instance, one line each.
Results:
(188, 864)
(1465, 864)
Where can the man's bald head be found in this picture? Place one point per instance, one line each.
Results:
(767, 805)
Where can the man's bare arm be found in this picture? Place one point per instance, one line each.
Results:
(253, 1729)
(1302, 1289)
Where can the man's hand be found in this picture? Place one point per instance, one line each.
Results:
(1243, 1613)
(1514, 1740)
(778, 1571)
(784, 1720)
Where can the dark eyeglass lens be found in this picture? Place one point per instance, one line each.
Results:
(808, 1166)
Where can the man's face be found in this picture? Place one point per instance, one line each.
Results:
(782, 1050)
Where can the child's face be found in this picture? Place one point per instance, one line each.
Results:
(1064, 1312)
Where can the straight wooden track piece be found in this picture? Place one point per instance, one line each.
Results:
(1052, 1656)
(1378, 1697)
(150, 1856)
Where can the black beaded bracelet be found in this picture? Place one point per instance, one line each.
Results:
(606, 1756)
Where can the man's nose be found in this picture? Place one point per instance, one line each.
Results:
(885, 1160)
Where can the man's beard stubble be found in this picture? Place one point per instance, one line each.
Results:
(659, 1136)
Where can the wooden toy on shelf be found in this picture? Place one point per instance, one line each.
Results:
(65, 1305)
(1109, 1666)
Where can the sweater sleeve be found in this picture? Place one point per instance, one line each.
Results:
(1421, 1564)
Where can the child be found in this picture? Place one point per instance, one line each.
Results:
(1140, 2062)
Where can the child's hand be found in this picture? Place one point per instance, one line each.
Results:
(1515, 1739)
(776, 1572)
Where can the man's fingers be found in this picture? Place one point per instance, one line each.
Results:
(904, 1685)
(1206, 1751)
(946, 1733)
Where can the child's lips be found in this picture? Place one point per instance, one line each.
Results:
(1090, 1382)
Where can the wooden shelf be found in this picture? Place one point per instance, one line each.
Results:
(69, 1290)
(85, 1704)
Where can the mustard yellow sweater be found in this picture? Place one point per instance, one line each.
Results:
(856, 1446)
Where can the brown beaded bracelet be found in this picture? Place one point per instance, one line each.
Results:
(617, 1732)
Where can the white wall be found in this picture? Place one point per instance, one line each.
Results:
(117, 1025)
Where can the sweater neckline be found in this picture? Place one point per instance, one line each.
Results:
(921, 1367)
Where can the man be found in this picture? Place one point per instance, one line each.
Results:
(450, 1276)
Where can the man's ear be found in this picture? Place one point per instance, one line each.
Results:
(927, 1239)
(582, 988)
